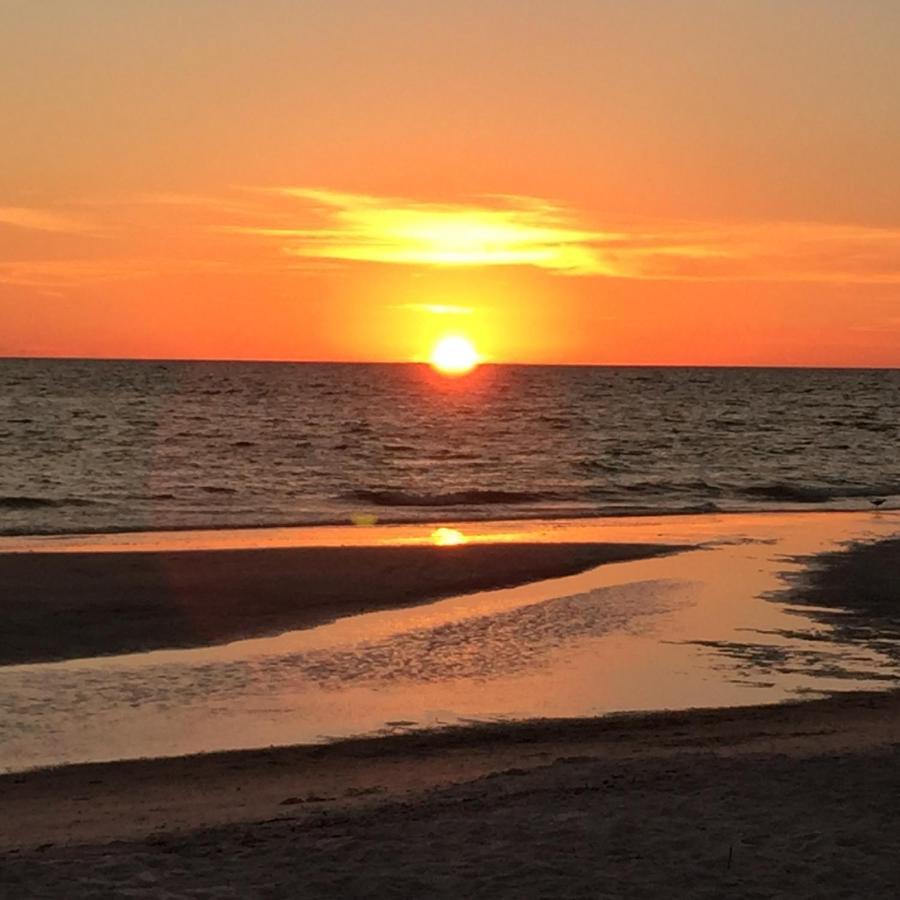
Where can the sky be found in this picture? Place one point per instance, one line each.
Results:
(701, 182)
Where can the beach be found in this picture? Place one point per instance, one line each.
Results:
(98, 603)
(792, 798)
(795, 800)
(449, 450)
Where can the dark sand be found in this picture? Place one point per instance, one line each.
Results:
(856, 594)
(69, 605)
(801, 798)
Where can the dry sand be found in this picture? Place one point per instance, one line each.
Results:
(94, 604)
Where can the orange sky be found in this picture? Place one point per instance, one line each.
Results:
(658, 181)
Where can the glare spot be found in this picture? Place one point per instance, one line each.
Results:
(447, 537)
(454, 355)
(364, 520)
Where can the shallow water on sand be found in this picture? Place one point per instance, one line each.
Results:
(707, 627)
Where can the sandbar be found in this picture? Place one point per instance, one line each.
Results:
(70, 605)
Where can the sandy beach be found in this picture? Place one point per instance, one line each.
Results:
(790, 799)
(794, 800)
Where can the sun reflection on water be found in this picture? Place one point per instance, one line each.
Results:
(448, 537)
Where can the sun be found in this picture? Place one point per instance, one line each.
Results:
(454, 355)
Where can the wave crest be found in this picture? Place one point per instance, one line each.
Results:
(472, 497)
(24, 502)
(800, 492)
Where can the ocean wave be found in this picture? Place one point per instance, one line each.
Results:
(799, 492)
(402, 516)
(472, 497)
(699, 487)
(23, 502)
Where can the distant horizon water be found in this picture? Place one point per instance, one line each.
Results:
(13, 357)
(92, 446)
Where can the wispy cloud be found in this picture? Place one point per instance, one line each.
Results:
(69, 273)
(527, 231)
(767, 251)
(507, 232)
(41, 220)
(73, 273)
(261, 231)
(436, 309)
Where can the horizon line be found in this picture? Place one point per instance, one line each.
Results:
(425, 363)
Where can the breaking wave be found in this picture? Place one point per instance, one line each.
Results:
(18, 502)
(783, 492)
(472, 497)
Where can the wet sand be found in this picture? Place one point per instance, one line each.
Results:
(71, 605)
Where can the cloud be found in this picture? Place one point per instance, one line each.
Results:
(73, 273)
(40, 220)
(361, 228)
(768, 251)
(70, 273)
(305, 230)
(436, 309)
(528, 231)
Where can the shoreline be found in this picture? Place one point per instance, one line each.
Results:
(181, 536)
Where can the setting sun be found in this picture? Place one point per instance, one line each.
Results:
(454, 356)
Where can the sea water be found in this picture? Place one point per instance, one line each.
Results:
(94, 446)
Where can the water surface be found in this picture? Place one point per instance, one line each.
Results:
(707, 627)
(113, 445)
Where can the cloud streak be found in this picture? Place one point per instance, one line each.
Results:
(75, 273)
(437, 309)
(264, 231)
(40, 220)
(530, 232)
(361, 228)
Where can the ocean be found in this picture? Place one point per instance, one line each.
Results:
(99, 446)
